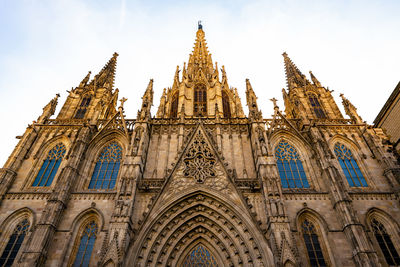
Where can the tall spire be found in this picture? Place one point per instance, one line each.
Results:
(351, 110)
(106, 76)
(251, 98)
(200, 57)
(315, 80)
(294, 77)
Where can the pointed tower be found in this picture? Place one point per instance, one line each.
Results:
(147, 102)
(93, 100)
(351, 110)
(200, 90)
(254, 112)
(304, 99)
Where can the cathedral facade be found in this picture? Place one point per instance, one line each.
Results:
(200, 183)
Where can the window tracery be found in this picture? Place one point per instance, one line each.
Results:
(80, 114)
(50, 166)
(200, 256)
(107, 167)
(313, 246)
(200, 100)
(290, 167)
(385, 243)
(85, 246)
(316, 106)
(199, 160)
(14, 243)
(349, 166)
(225, 105)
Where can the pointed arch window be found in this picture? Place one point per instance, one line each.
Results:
(385, 243)
(200, 100)
(174, 106)
(200, 256)
(349, 166)
(313, 246)
(85, 246)
(225, 105)
(107, 166)
(316, 106)
(14, 243)
(290, 167)
(50, 166)
(80, 114)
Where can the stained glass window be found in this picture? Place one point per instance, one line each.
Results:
(14, 244)
(50, 166)
(174, 106)
(385, 243)
(86, 244)
(83, 107)
(106, 170)
(225, 105)
(290, 168)
(349, 166)
(200, 100)
(316, 106)
(200, 257)
(313, 246)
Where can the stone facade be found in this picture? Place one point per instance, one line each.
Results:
(389, 118)
(200, 181)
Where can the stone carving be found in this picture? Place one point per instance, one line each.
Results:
(199, 161)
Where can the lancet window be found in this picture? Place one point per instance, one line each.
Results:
(85, 246)
(107, 166)
(290, 167)
(200, 256)
(316, 106)
(349, 166)
(225, 105)
(313, 246)
(385, 243)
(14, 243)
(80, 114)
(200, 100)
(174, 106)
(50, 166)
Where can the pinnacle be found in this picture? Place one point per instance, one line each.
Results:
(294, 77)
(106, 76)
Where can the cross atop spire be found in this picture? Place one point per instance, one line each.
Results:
(294, 77)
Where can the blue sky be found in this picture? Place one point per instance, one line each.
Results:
(47, 47)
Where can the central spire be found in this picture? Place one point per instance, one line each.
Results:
(200, 58)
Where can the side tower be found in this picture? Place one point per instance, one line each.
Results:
(330, 169)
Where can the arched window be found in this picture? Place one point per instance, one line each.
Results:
(106, 170)
(225, 105)
(200, 100)
(14, 243)
(349, 166)
(313, 246)
(80, 114)
(200, 256)
(174, 106)
(290, 168)
(50, 166)
(385, 243)
(85, 246)
(316, 106)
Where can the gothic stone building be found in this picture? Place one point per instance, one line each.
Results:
(201, 183)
